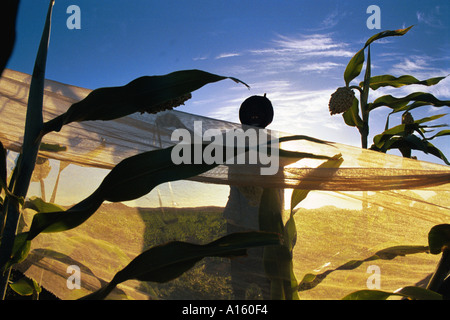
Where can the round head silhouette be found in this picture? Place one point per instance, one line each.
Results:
(256, 111)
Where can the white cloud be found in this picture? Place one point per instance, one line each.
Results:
(421, 67)
(319, 67)
(311, 45)
(227, 55)
(411, 65)
(315, 52)
(200, 58)
(430, 18)
(296, 111)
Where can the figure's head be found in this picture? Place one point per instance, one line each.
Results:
(256, 111)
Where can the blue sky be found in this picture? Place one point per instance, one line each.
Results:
(294, 51)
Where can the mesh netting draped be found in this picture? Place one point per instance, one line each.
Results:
(373, 201)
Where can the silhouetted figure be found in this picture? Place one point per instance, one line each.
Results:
(242, 210)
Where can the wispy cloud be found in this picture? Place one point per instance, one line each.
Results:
(330, 21)
(320, 67)
(280, 69)
(422, 66)
(227, 55)
(205, 57)
(431, 18)
(314, 52)
(307, 46)
(296, 111)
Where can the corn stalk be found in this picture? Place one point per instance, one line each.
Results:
(28, 156)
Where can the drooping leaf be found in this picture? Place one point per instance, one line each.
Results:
(387, 33)
(144, 94)
(138, 175)
(299, 194)
(425, 146)
(166, 262)
(431, 118)
(401, 130)
(436, 152)
(130, 179)
(395, 251)
(389, 80)
(355, 65)
(300, 137)
(398, 103)
(440, 134)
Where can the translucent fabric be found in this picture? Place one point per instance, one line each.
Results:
(373, 201)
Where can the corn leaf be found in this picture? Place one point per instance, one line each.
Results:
(165, 262)
(300, 194)
(145, 94)
(40, 205)
(400, 130)
(396, 251)
(387, 33)
(384, 143)
(440, 134)
(431, 118)
(19, 251)
(388, 80)
(31, 141)
(436, 152)
(128, 180)
(355, 65)
(352, 117)
(398, 103)
(25, 286)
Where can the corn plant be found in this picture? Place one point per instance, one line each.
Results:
(355, 112)
(130, 179)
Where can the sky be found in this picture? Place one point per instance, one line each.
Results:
(294, 51)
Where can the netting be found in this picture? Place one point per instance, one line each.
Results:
(373, 201)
